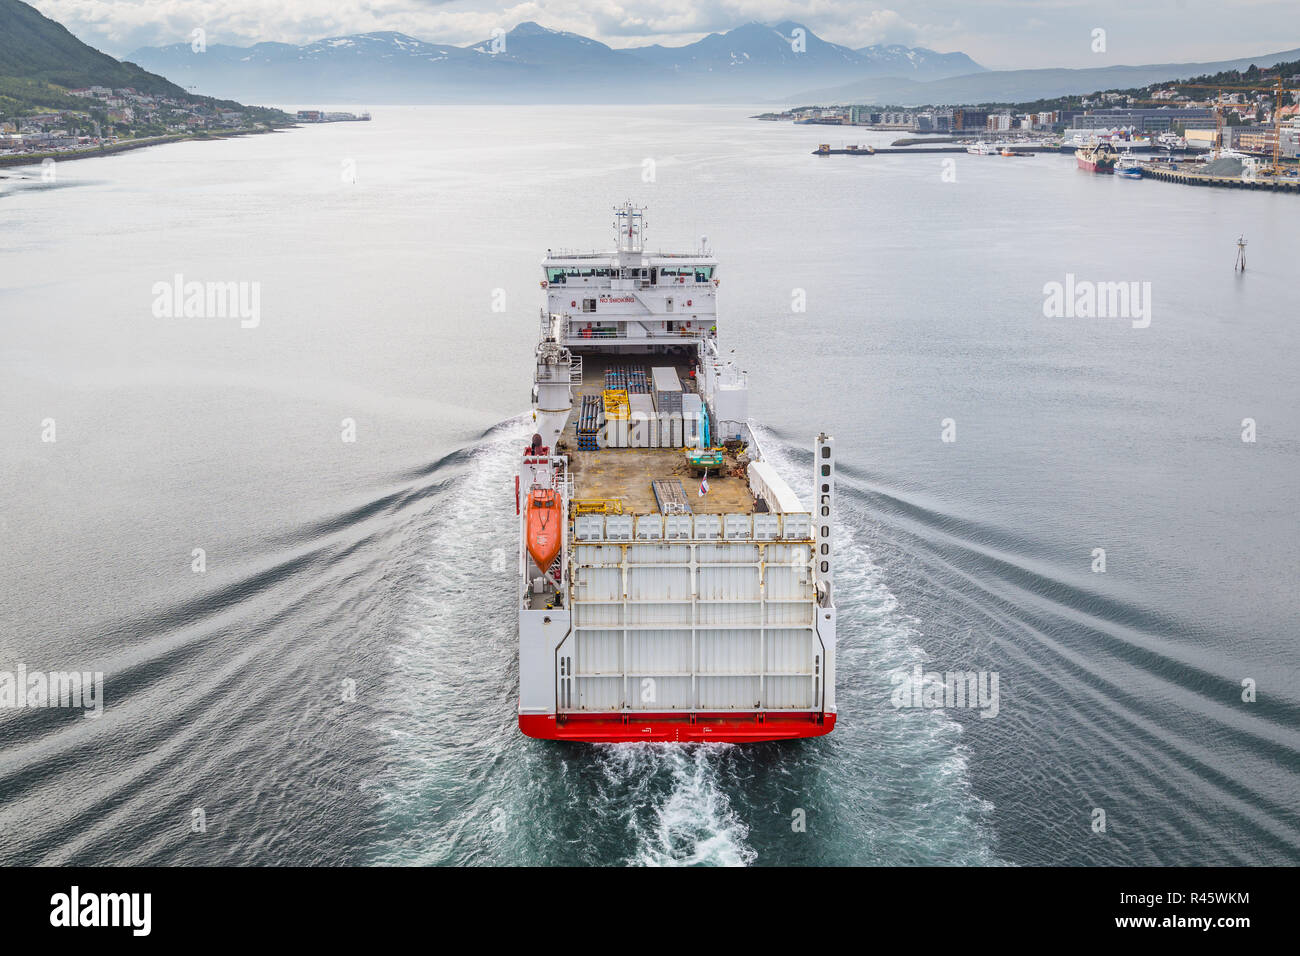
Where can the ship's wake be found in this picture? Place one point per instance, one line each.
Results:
(372, 651)
(673, 803)
(464, 786)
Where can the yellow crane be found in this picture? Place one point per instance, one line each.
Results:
(1277, 89)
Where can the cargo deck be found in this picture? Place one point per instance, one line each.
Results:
(627, 474)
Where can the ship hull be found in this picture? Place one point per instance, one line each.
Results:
(675, 728)
(1092, 167)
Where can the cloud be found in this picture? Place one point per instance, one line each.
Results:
(122, 25)
(888, 26)
(997, 32)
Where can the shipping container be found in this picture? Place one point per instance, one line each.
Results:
(643, 420)
(692, 409)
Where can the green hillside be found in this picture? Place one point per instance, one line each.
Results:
(40, 61)
(35, 51)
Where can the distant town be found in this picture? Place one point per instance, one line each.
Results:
(1245, 120)
(320, 116)
(117, 118)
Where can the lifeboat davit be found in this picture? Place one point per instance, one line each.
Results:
(544, 525)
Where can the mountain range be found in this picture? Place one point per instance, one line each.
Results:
(753, 62)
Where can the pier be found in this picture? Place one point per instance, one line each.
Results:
(1268, 183)
(918, 150)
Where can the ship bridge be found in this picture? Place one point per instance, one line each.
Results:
(629, 299)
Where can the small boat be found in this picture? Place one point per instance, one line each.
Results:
(544, 526)
(982, 149)
(1008, 151)
(1128, 166)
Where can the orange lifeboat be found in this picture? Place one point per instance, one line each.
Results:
(544, 525)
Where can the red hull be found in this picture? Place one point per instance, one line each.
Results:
(674, 728)
(1093, 167)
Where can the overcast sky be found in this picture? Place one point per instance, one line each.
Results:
(1002, 34)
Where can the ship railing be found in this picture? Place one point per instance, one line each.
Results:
(581, 335)
(554, 325)
(728, 376)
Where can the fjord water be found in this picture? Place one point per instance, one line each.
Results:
(381, 569)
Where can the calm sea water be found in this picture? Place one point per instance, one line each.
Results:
(384, 564)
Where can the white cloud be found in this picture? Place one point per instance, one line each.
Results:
(1000, 33)
(121, 25)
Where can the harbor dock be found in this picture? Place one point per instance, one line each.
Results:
(1158, 169)
(1289, 184)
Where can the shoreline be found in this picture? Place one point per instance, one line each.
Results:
(30, 159)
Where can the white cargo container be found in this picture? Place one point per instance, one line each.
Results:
(670, 429)
(665, 380)
(616, 432)
(642, 421)
(692, 409)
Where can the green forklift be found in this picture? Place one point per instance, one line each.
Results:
(700, 460)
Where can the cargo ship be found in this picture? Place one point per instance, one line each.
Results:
(672, 586)
(1096, 158)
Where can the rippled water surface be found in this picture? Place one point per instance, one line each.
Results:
(385, 564)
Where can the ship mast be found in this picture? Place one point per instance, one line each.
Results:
(629, 227)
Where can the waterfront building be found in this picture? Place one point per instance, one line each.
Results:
(967, 119)
(1158, 120)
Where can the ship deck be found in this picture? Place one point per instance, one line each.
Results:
(627, 474)
(595, 362)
